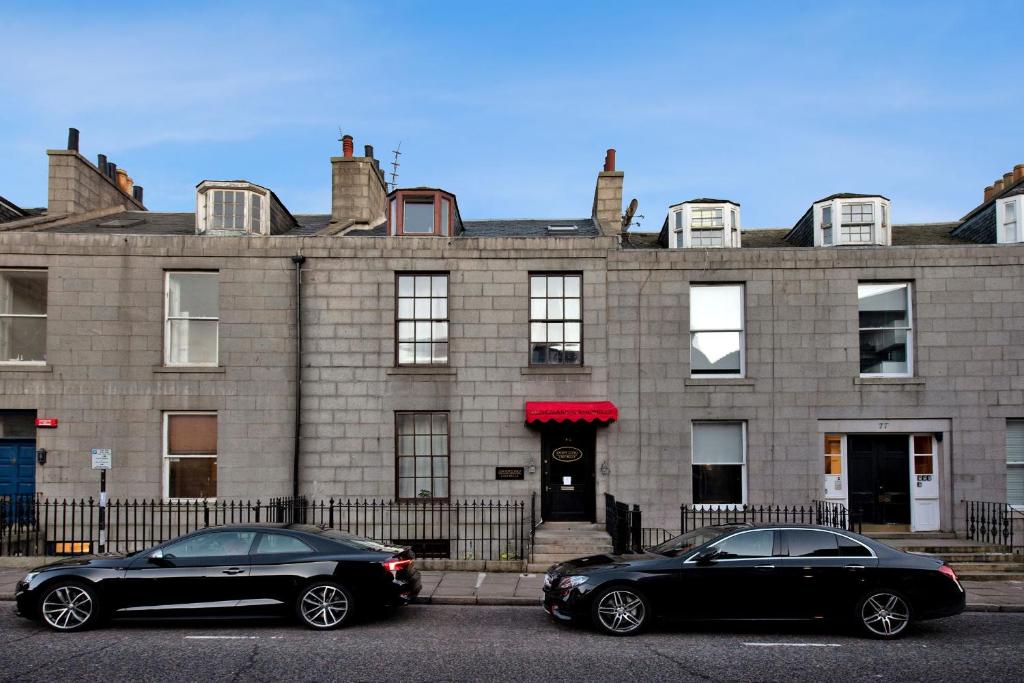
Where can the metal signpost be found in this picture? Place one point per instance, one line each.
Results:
(101, 460)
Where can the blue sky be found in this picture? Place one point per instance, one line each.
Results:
(512, 105)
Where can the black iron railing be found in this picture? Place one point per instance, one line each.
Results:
(467, 530)
(818, 512)
(624, 525)
(652, 536)
(994, 523)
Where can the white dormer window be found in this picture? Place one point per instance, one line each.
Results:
(861, 221)
(1008, 219)
(232, 207)
(704, 225)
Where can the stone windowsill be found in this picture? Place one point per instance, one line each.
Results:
(556, 370)
(718, 382)
(415, 371)
(190, 369)
(25, 367)
(890, 381)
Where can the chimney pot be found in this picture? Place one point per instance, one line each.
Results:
(368, 151)
(609, 160)
(101, 163)
(1018, 173)
(346, 145)
(1008, 179)
(137, 193)
(73, 139)
(111, 170)
(988, 194)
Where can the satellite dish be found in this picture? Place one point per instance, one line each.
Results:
(627, 218)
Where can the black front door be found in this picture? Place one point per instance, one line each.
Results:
(567, 469)
(880, 478)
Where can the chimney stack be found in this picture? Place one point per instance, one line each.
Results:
(78, 186)
(607, 210)
(72, 139)
(358, 191)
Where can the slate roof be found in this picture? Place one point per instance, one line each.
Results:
(9, 211)
(773, 238)
(706, 200)
(181, 223)
(979, 225)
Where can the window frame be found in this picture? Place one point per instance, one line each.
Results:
(446, 214)
(448, 457)
(742, 331)
(447, 320)
(1009, 210)
(167, 320)
(165, 456)
(743, 466)
(251, 195)
(530, 320)
(1009, 464)
(44, 316)
(909, 329)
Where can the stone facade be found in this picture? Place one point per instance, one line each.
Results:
(105, 382)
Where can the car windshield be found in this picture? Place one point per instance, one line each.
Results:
(674, 547)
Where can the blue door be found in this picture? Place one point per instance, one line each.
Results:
(17, 469)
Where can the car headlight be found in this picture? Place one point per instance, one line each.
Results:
(570, 582)
(30, 576)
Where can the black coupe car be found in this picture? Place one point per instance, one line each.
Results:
(323, 576)
(756, 572)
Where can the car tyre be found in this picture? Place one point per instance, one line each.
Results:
(69, 606)
(621, 611)
(324, 605)
(884, 614)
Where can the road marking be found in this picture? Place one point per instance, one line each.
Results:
(480, 579)
(793, 644)
(230, 637)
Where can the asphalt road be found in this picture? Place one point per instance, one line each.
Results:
(449, 643)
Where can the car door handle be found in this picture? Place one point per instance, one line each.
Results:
(232, 571)
(764, 566)
(853, 567)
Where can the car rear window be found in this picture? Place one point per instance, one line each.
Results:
(850, 548)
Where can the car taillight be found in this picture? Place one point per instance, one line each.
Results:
(948, 571)
(394, 564)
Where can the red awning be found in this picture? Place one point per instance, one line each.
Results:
(571, 411)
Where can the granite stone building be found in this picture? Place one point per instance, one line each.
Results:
(394, 349)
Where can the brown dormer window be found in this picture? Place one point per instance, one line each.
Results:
(423, 212)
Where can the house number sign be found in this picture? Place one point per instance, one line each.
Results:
(567, 454)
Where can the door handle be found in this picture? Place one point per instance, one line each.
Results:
(853, 567)
(764, 566)
(232, 571)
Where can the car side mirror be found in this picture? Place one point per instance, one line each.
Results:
(708, 556)
(157, 557)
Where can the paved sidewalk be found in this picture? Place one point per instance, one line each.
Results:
(494, 588)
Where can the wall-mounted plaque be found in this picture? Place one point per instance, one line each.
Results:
(509, 473)
(567, 454)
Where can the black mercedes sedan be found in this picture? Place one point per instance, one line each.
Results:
(323, 577)
(746, 572)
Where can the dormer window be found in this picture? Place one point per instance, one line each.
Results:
(1008, 219)
(862, 220)
(423, 212)
(238, 207)
(705, 224)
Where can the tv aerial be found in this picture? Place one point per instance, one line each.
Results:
(627, 218)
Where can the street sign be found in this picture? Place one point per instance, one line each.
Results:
(101, 458)
(46, 422)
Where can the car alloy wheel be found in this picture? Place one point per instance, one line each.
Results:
(67, 607)
(620, 611)
(884, 614)
(325, 605)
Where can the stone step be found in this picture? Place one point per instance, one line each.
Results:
(571, 526)
(988, 567)
(979, 557)
(991, 576)
(573, 538)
